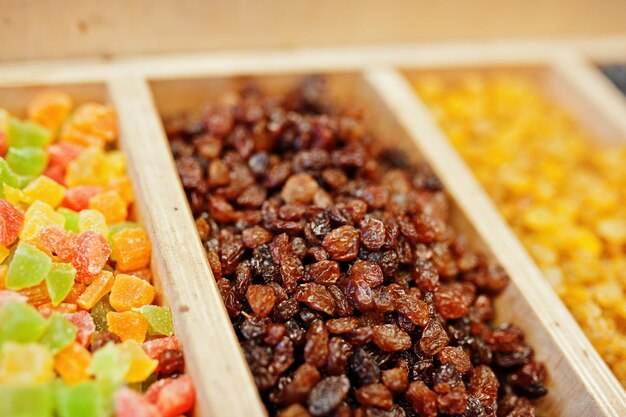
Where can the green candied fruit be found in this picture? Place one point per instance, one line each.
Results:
(27, 133)
(27, 400)
(21, 323)
(159, 319)
(7, 176)
(59, 334)
(82, 400)
(99, 313)
(109, 366)
(27, 160)
(59, 280)
(71, 219)
(28, 268)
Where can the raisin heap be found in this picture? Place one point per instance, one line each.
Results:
(349, 290)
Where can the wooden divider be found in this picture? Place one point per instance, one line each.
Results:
(580, 370)
(214, 359)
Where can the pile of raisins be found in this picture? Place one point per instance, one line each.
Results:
(350, 292)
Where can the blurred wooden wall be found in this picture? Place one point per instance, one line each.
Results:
(33, 29)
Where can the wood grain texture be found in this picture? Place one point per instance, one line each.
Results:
(35, 29)
(215, 362)
(580, 380)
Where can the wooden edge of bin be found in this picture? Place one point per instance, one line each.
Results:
(594, 377)
(214, 359)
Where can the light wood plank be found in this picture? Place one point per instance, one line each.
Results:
(215, 362)
(423, 55)
(580, 380)
(597, 101)
(35, 29)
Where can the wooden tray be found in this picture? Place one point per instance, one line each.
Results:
(143, 88)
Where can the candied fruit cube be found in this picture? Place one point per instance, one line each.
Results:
(81, 400)
(85, 325)
(39, 214)
(37, 295)
(27, 133)
(99, 313)
(7, 175)
(172, 396)
(109, 363)
(123, 187)
(28, 268)
(14, 195)
(34, 400)
(91, 124)
(27, 160)
(91, 254)
(71, 219)
(72, 363)
(61, 154)
(50, 109)
(45, 189)
(59, 334)
(25, 364)
(117, 227)
(129, 291)
(11, 221)
(77, 198)
(56, 241)
(128, 325)
(21, 323)
(131, 249)
(111, 205)
(141, 365)
(159, 319)
(11, 297)
(155, 347)
(96, 290)
(129, 403)
(93, 220)
(89, 168)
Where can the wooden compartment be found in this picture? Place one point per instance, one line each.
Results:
(578, 87)
(569, 374)
(579, 381)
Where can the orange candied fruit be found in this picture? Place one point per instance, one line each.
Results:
(129, 291)
(50, 109)
(96, 290)
(128, 325)
(131, 249)
(111, 204)
(72, 363)
(91, 124)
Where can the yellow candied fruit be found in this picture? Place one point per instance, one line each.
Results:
(563, 195)
(45, 189)
(93, 220)
(29, 363)
(90, 168)
(39, 214)
(141, 365)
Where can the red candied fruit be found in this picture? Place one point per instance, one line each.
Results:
(77, 198)
(11, 221)
(91, 254)
(172, 396)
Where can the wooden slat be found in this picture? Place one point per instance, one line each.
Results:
(215, 362)
(34, 29)
(453, 54)
(579, 379)
(596, 95)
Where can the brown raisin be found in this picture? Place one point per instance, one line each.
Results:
(342, 244)
(316, 348)
(396, 379)
(328, 395)
(375, 395)
(261, 299)
(390, 338)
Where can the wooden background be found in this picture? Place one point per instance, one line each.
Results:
(43, 29)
